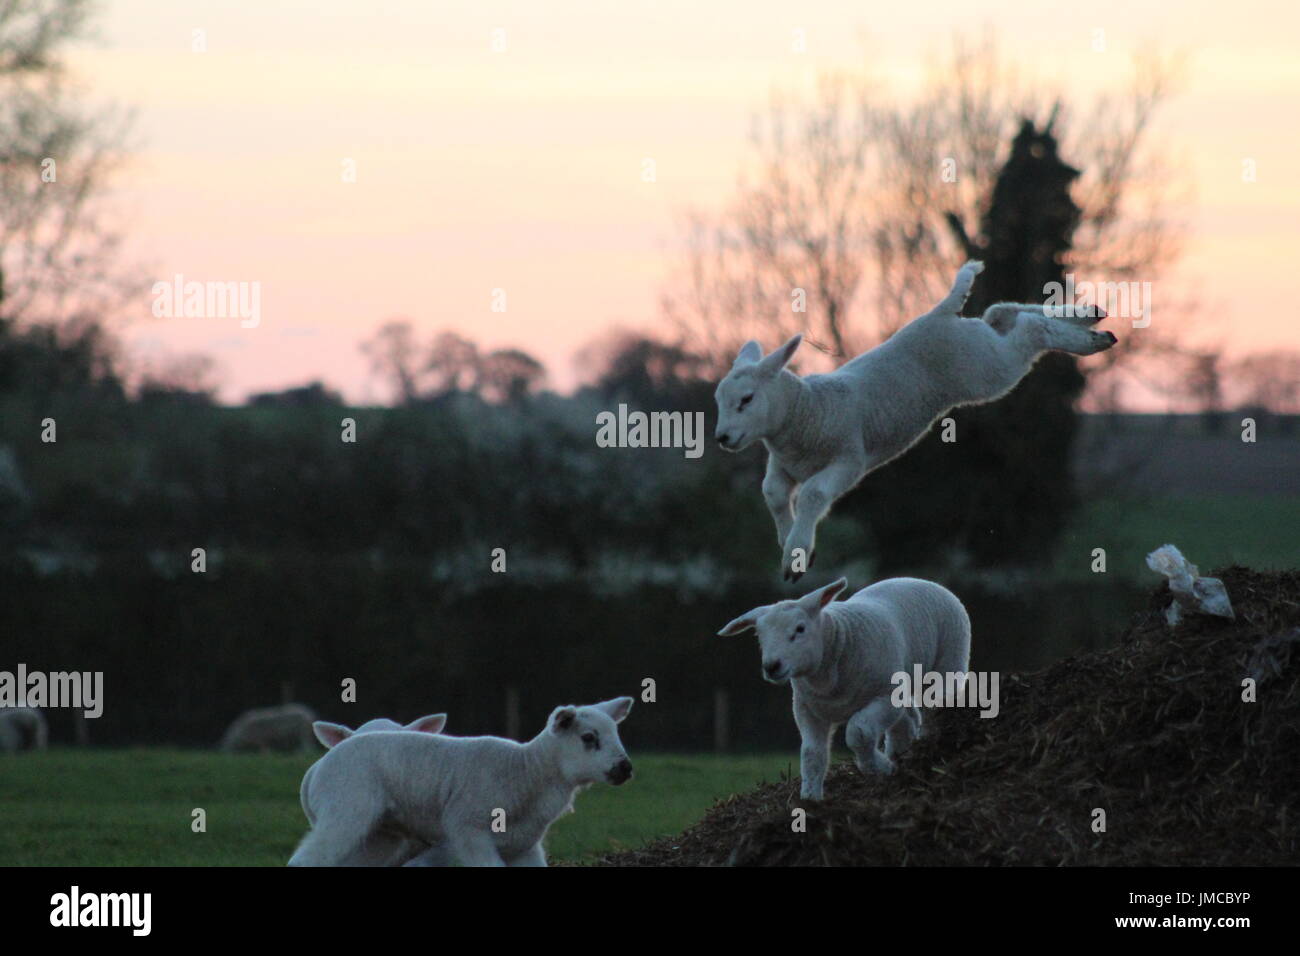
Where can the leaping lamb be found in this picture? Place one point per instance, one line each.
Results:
(824, 433)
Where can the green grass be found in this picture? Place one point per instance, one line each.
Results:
(1259, 532)
(133, 807)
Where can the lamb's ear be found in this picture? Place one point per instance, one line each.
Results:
(618, 708)
(431, 724)
(749, 353)
(331, 735)
(741, 624)
(776, 361)
(562, 719)
(816, 600)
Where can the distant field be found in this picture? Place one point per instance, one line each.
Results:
(1262, 532)
(133, 807)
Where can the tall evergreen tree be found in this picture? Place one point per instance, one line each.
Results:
(1002, 491)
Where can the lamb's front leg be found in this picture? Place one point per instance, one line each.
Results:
(864, 732)
(814, 754)
(816, 495)
(777, 489)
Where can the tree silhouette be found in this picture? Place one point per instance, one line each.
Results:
(1002, 491)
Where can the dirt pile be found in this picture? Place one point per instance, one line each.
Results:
(1153, 731)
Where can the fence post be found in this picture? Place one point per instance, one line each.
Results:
(512, 713)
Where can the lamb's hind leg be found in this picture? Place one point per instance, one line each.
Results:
(533, 856)
(1082, 315)
(1033, 332)
(864, 732)
(898, 739)
(1002, 317)
(956, 298)
(336, 843)
(437, 854)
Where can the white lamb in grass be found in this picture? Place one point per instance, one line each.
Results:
(287, 727)
(840, 658)
(824, 433)
(22, 728)
(414, 853)
(476, 801)
(331, 735)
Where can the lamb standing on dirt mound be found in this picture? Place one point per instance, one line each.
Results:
(824, 433)
(841, 658)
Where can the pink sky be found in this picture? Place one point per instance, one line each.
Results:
(521, 169)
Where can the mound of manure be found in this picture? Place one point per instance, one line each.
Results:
(1153, 731)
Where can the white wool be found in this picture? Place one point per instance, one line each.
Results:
(331, 735)
(476, 801)
(840, 659)
(824, 433)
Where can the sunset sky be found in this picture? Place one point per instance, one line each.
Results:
(521, 169)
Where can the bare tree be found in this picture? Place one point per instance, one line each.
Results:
(58, 257)
(454, 365)
(1268, 380)
(1205, 383)
(508, 376)
(393, 357)
(187, 374)
(851, 197)
(450, 364)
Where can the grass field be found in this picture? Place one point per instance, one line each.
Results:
(133, 807)
(1260, 532)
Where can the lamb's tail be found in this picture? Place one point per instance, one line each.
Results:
(961, 286)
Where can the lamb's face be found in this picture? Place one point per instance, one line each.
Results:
(744, 408)
(748, 399)
(790, 639)
(589, 747)
(791, 634)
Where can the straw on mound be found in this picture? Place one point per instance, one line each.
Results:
(1154, 731)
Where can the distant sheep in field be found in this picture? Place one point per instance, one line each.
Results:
(824, 433)
(287, 727)
(840, 659)
(22, 728)
(476, 801)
